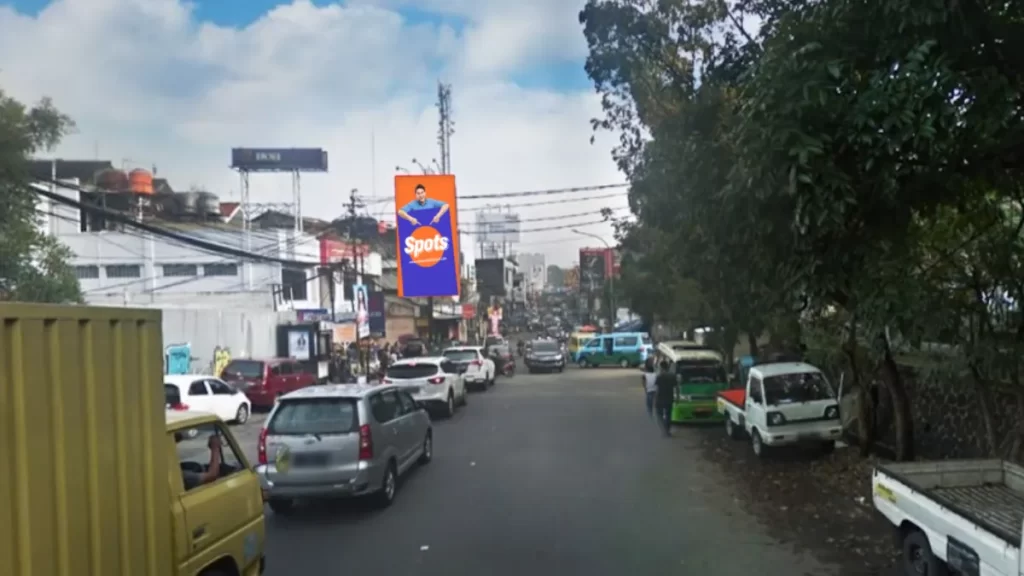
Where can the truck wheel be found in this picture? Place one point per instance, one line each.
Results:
(760, 450)
(731, 429)
(828, 447)
(281, 506)
(918, 559)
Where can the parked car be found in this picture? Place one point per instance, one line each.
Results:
(341, 440)
(476, 368)
(264, 381)
(434, 381)
(204, 393)
(545, 355)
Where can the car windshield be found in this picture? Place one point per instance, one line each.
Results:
(700, 372)
(460, 355)
(243, 369)
(796, 388)
(545, 346)
(314, 416)
(411, 371)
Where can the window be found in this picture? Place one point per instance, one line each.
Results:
(284, 369)
(646, 340)
(293, 284)
(180, 270)
(243, 369)
(594, 343)
(700, 372)
(384, 407)
(756, 391)
(461, 355)
(411, 371)
(198, 388)
(449, 367)
(87, 272)
(625, 342)
(172, 395)
(796, 388)
(219, 387)
(220, 269)
(194, 456)
(124, 271)
(407, 403)
(546, 346)
(314, 416)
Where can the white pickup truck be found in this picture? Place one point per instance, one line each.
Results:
(959, 517)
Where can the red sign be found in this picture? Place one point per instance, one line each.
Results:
(468, 311)
(338, 250)
(612, 259)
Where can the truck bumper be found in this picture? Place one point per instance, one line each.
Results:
(700, 411)
(790, 435)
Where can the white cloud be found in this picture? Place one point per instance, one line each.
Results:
(147, 82)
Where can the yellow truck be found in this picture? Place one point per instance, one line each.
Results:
(97, 478)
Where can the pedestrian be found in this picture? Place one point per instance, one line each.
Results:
(665, 386)
(650, 376)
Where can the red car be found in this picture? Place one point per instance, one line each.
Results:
(263, 381)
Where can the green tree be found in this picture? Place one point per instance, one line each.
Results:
(33, 265)
(556, 276)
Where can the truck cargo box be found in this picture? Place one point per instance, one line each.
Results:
(83, 453)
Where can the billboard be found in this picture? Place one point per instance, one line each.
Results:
(428, 235)
(572, 277)
(378, 322)
(334, 251)
(490, 277)
(497, 227)
(593, 267)
(279, 159)
(362, 306)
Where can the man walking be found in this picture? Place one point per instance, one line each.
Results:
(650, 376)
(664, 385)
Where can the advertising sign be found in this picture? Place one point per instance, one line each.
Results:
(494, 314)
(362, 304)
(428, 236)
(594, 267)
(469, 311)
(333, 251)
(279, 159)
(378, 321)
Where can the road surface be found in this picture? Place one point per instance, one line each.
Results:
(542, 474)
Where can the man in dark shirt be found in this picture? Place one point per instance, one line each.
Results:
(665, 386)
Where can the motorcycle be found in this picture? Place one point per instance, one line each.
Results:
(508, 367)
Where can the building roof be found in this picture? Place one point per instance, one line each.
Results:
(83, 170)
(229, 209)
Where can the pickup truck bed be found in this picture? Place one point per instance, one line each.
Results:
(989, 493)
(737, 398)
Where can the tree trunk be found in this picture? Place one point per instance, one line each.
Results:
(752, 344)
(901, 411)
(865, 407)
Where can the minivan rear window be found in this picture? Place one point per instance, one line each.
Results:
(172, 395)
(410, 371)
(314, 416)
(243, 369)
(460, 355)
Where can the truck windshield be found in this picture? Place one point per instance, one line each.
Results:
(797, 388)
(700, 372)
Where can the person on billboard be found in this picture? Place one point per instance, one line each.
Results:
(362, 315)
(422, 203)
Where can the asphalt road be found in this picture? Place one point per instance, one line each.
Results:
(542, 474)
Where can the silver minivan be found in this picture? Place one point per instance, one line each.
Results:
(341, 441)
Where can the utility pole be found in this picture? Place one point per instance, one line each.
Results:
(445, 130)
(359, 269)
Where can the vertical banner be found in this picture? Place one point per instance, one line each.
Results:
(428, 235)
(378, 322)
(362, 306)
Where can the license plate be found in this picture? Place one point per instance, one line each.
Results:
(309, 459)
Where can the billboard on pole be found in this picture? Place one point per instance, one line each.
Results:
(279, 159)
(428, 235)
(497, 227)
(593, 268)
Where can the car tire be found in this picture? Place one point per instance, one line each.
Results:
(281, 506)
(449, 405)
(828, 447)
(242, 414)
(624, 363)
(917, 556)
(583, 363)
(731, 429)
(757, 444)
(388, 486)
(428, 449)
(464, 399)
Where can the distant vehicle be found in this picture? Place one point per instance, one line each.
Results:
(545, 355)
(701, 374)
(434, 381)
(476, 368)
(205, 393)
(954, 516)
(493, 340)
(504, 360)
(265, 380)
(623, 349)
(341, 441)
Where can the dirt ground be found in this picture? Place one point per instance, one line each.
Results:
(817, 502)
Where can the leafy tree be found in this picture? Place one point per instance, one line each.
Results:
(33, 265)
(556, 276)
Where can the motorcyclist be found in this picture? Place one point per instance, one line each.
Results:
(520, 347)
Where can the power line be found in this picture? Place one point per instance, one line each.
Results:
(541, 229)
(521, 194)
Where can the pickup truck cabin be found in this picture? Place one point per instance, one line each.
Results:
(782, 403)
(962, 517)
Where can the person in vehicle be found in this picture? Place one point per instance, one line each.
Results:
(664, 385)
(195, 479)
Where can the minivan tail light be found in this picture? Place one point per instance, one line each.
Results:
(180, 407)
(365, 443)
(476, 363)
(261, 447)
(436, 380)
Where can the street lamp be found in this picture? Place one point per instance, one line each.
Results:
(402, 169)
(611, 277)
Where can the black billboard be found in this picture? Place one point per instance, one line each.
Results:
(375, 308)
(592, 268)
(279, 159)
(490, 277)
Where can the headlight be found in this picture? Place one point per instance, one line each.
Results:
(776, 419)
(832, 413)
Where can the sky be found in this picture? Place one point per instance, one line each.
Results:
(177, 84)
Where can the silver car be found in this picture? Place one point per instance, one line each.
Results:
(341, 441)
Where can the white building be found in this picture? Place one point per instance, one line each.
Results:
(535, 271)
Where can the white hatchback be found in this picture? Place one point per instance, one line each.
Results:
(476, 368)
(205, 393)
(434, 381)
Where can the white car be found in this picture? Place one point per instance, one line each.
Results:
(476, 368)
(434, 381)
(204, 393)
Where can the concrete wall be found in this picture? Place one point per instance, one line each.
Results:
(245, 333)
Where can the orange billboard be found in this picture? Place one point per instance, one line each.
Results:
(426, 214)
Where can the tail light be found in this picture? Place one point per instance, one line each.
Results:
(365, 443)
(386, 381)
(476, 363)
(436, 380)
(261, 447)
(179, 407)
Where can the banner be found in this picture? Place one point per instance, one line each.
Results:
(378, 322)
(428, 236)
(362, 305)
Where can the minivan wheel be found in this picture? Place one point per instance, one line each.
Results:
(624, 363)
(388, 487)
(242, 416)
(427, 454)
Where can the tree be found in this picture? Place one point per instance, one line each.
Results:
(33, 265)
(556, 276)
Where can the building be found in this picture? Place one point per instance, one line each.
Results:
(535, 271)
